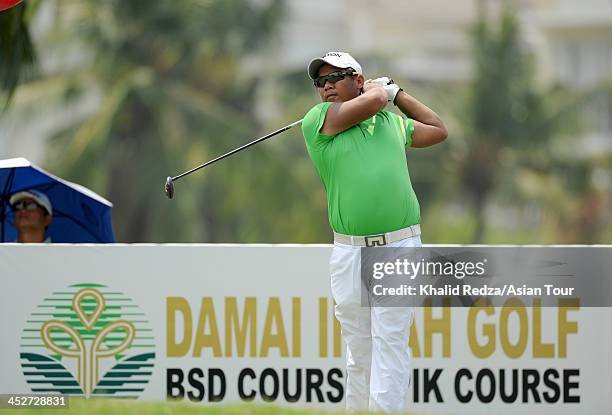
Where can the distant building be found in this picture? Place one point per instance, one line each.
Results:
(575, 49)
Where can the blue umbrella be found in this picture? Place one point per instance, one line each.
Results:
(79, 215)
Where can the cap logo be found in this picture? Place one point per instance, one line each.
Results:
(333, 54)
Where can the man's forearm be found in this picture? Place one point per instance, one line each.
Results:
(428, 127)
(343, 115)
(416, 110)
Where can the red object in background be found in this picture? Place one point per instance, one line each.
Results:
(7, 4)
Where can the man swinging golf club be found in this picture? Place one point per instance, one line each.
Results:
(358, 150)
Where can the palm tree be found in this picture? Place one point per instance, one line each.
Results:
(506, 111)
(17, 54)
(174, 94)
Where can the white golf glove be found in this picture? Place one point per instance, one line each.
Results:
(388, 85)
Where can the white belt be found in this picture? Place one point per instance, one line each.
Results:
(380, 239)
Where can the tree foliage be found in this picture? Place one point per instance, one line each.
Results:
(507, 113)
(174, 95)
(17, 52)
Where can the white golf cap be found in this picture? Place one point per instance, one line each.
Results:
(338, 59)
(37, 196)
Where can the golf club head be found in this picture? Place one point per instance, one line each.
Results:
(169, 187)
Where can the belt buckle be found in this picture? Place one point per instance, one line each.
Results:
(376, 240)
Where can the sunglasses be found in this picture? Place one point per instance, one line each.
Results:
(333, 77)
(29, 206)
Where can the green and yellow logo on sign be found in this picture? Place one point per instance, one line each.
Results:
(88, 340)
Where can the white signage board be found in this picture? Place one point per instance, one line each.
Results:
(229, 323)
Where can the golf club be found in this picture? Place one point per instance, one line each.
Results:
(169, 186)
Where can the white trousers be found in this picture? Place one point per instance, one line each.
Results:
(377, 356)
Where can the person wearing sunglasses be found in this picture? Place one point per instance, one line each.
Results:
(33, 214)
(358, 151)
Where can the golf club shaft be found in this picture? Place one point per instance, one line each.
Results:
(265, 137)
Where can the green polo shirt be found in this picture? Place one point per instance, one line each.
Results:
(364, 172)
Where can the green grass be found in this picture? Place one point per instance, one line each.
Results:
(120, 407)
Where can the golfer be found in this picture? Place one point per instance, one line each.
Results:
(358, 150)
